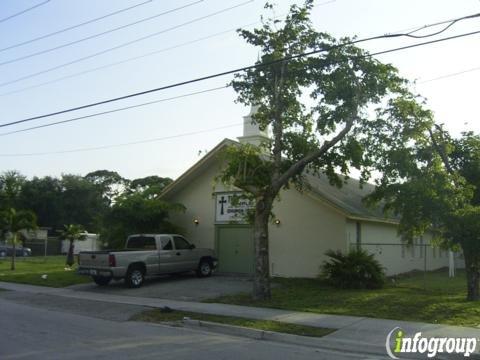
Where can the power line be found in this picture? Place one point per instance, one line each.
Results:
(167, 49)
(125, 44)
(23, 11)
(449, 75)
(45, 51)
(114, 110)
(103, 147)
(229, 72)
(127, 60)
(74, 26)
(449, 23)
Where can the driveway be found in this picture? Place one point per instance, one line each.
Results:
(178, 287)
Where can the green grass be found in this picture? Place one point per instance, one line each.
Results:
(30, 270)
(159, 316)
(442, 302)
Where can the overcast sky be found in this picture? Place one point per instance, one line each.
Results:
(454, 99)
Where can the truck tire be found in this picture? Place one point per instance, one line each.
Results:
(204, 268)
(135, 277)
(3, 253)
(101, 280)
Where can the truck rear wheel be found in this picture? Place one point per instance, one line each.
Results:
(135, 277)
(204, 268)
(101, 280)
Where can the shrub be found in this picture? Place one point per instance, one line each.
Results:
(354, 270)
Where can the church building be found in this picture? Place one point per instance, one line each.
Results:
(306, 224)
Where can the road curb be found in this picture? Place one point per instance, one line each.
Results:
(256, 334)
(344, 346)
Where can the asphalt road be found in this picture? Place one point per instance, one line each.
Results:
(51, 327)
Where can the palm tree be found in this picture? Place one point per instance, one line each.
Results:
(71, 233)
(12, 221)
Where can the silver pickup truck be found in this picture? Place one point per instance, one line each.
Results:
(145, 255)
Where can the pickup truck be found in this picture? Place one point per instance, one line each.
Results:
(145, 255)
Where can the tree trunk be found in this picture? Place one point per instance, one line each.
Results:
(261, 280)
(472, 269)
(14, 251)
(70, 260)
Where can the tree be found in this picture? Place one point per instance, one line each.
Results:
(82, 202)
(137, 213)
(110, 183)
(151, 185)
(71, 233)
(11, 222)
(329, 113)
(44, 196)
(439, 192)
(11, 183)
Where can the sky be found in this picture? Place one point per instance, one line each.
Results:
(168, 137)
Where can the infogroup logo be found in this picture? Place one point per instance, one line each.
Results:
(397, 343)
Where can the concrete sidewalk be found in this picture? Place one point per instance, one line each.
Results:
(352, 333)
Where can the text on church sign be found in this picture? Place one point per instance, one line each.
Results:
(230, 207)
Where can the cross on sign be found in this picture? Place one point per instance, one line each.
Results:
(222, 202)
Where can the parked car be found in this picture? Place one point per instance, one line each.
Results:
(144, 255)
(7, 250)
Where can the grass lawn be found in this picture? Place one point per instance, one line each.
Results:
(159, 316)
(442, 302)
(29, 270)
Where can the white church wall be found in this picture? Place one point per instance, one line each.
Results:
(198, 197)
(383, 241)
(307, 229)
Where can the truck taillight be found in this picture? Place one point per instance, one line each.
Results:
(111, 260)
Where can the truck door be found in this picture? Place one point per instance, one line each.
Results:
(168, 259)
(186, 256)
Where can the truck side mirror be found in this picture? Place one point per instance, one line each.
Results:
(192, 246)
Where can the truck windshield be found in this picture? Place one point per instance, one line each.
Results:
(141, 243)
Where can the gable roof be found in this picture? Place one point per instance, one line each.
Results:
(347, 199)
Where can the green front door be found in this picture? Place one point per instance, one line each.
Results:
(235, 249)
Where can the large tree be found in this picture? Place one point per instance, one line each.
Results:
(110, 183)
(135, 213)
(438, 192)
(152, 185)
(11, 184)
(331, 112)
(44, 197)
(82, 202)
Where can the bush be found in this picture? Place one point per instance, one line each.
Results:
(355, 270)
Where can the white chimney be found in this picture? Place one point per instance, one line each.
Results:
(251, 131)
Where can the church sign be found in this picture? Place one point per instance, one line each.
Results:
(230, 207)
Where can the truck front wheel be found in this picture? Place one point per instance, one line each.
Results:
(101, 280)
(135, 277)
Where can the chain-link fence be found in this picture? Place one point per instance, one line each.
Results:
(403, 258)
(44, 247)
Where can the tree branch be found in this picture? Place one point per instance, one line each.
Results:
(441, 151)
(278, 124)
(249, 188)
(301, 164)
